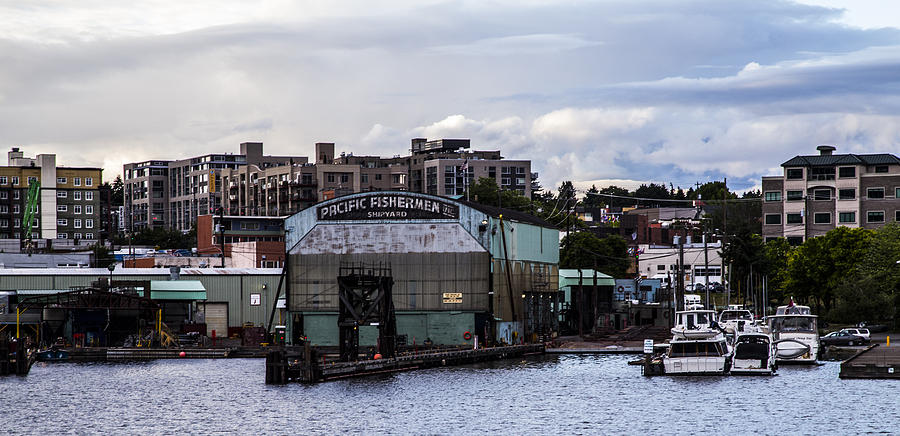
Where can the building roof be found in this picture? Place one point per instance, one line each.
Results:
(510, 214)
(103, 272)
(570, 277)
(842, 159)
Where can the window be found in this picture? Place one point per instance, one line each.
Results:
(795, 240)
(89, 223)
(794, 218)
(897, 215)
(62, 194)
(62, 222)
(364, 178)
(881, 168)
(794, 195)
(14, 180)
(875, 216)
(76, 208)
(847, 172)
(3, 180)
(77, 223)
(88, 181)
(249, 226)
(377, 176)
(330, 177)
(773, 196)
(77, 181)
(4, 195)
(17, 223)
(61, 180)
(345, 178)
(32, 179)
(89, 209)
(16, 194)
(794, 173)
(76, 235)
(896, 192)
(78, 195)
(822, 194)
(62, 208)
(660, 267)
(822, 218)
(847, 217)
(875, 193)
(847, 194)
(88, 195)
(62, 236)
(16, 208)
(88, 236)
(821, 173)
(4, 208)
(773, 218)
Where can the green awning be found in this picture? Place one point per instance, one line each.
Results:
(190, 290)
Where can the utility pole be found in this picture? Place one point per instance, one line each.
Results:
(681, 270)
(222, 233)
(725, 232)
(706, 265)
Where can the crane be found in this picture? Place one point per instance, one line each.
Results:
(31, 205)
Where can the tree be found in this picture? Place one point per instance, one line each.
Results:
(744, 253)
(117, 192)
(586, 251)
(611, 196)
(653, 191)
(872, 292)
(778, 255)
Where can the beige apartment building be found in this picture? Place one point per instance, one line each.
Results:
(817, 193)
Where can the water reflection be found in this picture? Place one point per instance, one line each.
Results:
(549, 394)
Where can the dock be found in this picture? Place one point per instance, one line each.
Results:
(15, 360)
(874, 362)
(303, 364)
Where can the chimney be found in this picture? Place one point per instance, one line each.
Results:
(825, 150)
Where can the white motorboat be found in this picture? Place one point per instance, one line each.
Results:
(697, 357)
(795, 334)
(737, 320)
(753, 354)
(694, 325)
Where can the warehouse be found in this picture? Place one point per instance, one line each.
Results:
(224, 299)
(450, 263)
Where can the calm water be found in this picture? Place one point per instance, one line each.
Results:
(548, 395)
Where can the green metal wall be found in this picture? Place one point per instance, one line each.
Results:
(443, 328)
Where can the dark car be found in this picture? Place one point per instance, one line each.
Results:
(842, 338)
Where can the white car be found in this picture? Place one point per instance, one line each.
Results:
(861, 332)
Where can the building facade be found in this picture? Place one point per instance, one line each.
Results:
(456, 266)
(817, 193)
(68, 206)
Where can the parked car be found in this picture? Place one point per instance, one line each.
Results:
(842, 338)
(862, 332)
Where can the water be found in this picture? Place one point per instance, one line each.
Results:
(547, 395)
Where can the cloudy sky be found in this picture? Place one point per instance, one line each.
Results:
(615, 91)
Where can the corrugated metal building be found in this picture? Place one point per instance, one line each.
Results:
(234, 296)
(448, 259)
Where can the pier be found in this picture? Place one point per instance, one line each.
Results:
(876, 361)
(304, 364)
(15, 359)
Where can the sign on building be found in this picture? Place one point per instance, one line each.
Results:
(452, 297)
(255, 299)
(389, 207)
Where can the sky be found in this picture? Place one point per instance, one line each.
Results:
(607, 92)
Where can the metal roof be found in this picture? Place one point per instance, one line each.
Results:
(103, 272)
(177, 290)
(41, 291)
(842, 159)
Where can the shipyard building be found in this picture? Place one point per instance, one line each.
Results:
(459, 270)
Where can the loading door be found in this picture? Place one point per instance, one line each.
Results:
(216, 319)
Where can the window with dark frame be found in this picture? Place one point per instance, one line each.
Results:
(822, 218)
(794, 173)
(846, 194)
(773, 218)
(875, 217)
(794, 218)
(847, 172)
(875, 193)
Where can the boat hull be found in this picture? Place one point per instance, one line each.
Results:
(695, 365)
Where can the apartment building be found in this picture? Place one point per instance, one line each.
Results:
(174, 193)
(68, 206)
(817, 193)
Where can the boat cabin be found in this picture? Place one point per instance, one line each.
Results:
(695, 319)
(714, 348)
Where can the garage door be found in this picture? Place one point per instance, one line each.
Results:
(216, 319)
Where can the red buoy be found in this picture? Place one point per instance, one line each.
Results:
(182, 354)
(377, 356)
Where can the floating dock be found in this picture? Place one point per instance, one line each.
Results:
(876, 361)
(305, 365)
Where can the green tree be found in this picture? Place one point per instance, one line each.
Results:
(585, 250)
(778, 255)
(117, 192)
(872, 292)
(613, 194)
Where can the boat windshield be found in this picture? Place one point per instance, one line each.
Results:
(800, 324)
(735, 315)
(696, 349)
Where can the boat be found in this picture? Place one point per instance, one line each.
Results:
(52, 354)
(737, 320)
(795, 334)
(698, 345)
(753, 354)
